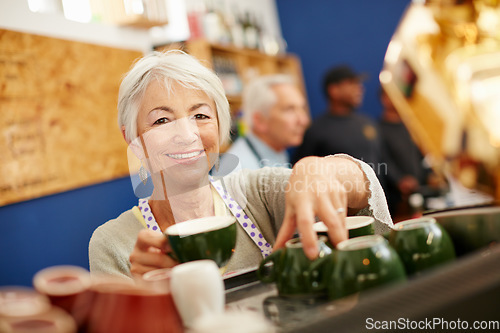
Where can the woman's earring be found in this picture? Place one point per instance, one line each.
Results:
(143, 174)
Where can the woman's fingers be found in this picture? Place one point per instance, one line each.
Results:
(322, 199)
(148, 238)
(152, 257)
(337, 231)
(146, 261)
(287, 228)
(332, 211)
(150, 253)
(299, 217)
(305, 216)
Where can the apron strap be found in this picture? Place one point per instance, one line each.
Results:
(243, 219)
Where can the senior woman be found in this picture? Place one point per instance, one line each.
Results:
(174, 115)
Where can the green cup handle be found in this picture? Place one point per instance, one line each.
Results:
(267, 268)
(317, 273)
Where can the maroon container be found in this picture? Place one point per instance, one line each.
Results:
(67, 287)
(121, 307)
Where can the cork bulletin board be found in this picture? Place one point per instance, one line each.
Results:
(58, 128)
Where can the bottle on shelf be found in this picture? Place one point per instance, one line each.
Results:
(235, 28)
(195, 12)
(212, 24)
(250, 32)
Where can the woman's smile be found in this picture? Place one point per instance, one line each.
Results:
(186, 157)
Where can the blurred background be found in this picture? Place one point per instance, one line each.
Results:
(64, 167)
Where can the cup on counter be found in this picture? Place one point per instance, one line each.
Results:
(470, 228)
(198, 290)
(24, 310)
(67, 287)
(124, 306)
(421, 244)
(288, 267)
(355, 225)
(359, 264)
(211, 238)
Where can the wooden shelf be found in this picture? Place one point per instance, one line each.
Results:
(248, 63)
(140, 22)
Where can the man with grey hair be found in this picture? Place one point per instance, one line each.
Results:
(275, 111)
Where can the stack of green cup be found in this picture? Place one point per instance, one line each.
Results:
(359, 264)
(289, 268)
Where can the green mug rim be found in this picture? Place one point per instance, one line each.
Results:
(413, 224)
(296, 243)
(321, 227)
(360, 243)
(221, 223)
(369, 220)
(466, 212)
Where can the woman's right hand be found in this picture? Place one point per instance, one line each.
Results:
(150, 253)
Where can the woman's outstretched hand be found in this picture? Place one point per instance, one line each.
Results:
(323, 188)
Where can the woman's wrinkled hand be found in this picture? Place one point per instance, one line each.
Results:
(317, 188)
(150, 253)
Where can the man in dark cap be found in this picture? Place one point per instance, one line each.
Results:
(341, 129)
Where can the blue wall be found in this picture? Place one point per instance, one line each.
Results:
(55, 230)
(324, 33)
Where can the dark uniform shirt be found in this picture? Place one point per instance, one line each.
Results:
(353, 134)
(400, 153)
(402, 158)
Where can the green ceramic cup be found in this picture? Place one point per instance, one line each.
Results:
(211, 237)
(472, 228)
(356, 225)
(421, 244)
(288, 267)
(359, 225)
(360, 264)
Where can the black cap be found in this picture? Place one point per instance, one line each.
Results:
(338, 74)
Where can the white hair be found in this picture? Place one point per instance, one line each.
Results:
(258, 95)
(169, 67)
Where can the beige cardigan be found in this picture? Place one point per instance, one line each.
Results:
(263, 191)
